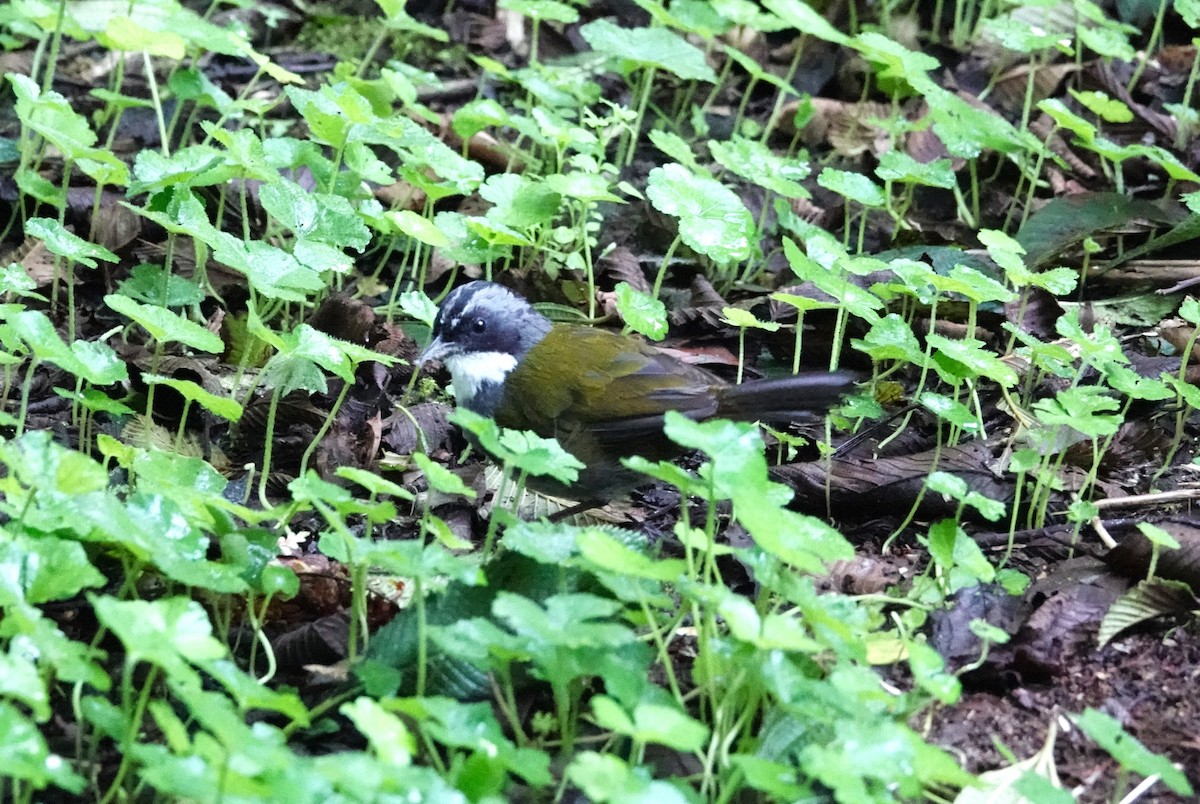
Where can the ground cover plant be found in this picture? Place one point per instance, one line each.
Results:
(246, 555)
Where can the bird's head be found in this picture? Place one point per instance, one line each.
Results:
(481, 332)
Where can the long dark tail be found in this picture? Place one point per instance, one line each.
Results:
(786, 398)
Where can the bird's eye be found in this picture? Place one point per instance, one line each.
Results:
(478, 325)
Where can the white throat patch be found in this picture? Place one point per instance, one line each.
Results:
(469, 372)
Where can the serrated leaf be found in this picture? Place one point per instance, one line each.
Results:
(67, 244)
(641, 312)
(756, 162)
(1152, 598)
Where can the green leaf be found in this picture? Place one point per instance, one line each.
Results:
(769, 632)
(677, 148)
(21, 681)
(193, 166)
(1129, 751)
(165, 326)
(170, 632)
(440, 478)
(1109, 109)
(805, 542)
(292, 206)
(420, 151)
(398, 19)
(971, 354)
(497, 234)
(418, 227)
(754, 161)
(605, 552)
(967, 130)
(604, 777)
(1190, 11)
(1099, 346)
(582, 186)
(777, 779)
(34, 184)
(192, 84)
(521, 450)
(1017, 32)
(854, 186)
(899, 166)
(956, 488)
(641, 312)
(539, 456)
(929, 671)
(222, 406)
(891, 338)
(389, 738)
(182, 478)
(951, 548)
(96, 402)
(306, 342)
(124, 33)
(46, 569)
(373, 483)
(418, 306)
(51, 115)
(1129, 382)
(271, 270)
(27, 758)
(950, 410)
(91, 361)
(549, 10)
(895, 63)
(573, 620)
(1156, 535)
(473, 726)
(975, 285)
(823, 266)
(651, 723)
(153, 528)
(744, 319)
(554, 544)
(1066, 220)
(519, 201)
(67, 244)
(38, 462)
(250, 694)
(736, 450)
(803, 18)
(712, 219)
(152, 284)
(1107, 41)
(649, 47)
(1085, 409)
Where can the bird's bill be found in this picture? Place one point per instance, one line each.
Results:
(437, 350)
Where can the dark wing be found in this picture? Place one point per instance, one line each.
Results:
(586, 383)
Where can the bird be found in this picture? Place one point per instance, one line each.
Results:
(601, 394)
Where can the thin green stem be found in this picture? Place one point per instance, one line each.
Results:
(325, 425)
(662, 269)
(647, 85)
(152, 83)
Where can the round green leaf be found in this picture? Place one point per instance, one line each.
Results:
(712, 219)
